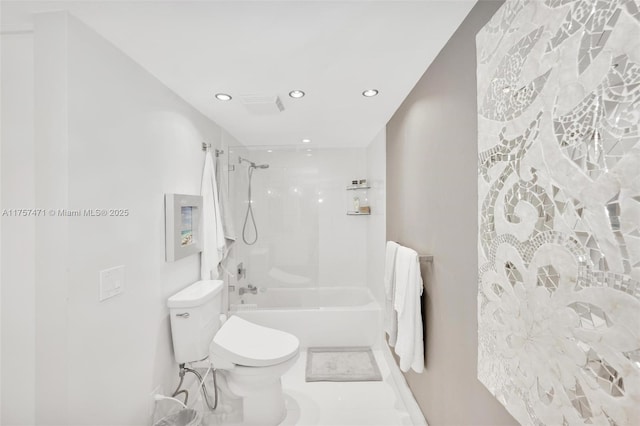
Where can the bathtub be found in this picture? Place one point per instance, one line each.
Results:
(326, 316)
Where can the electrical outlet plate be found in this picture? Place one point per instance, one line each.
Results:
(111, 282)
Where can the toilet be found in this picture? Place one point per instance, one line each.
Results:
(252, 358)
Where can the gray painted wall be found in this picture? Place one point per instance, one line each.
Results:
(432, 207)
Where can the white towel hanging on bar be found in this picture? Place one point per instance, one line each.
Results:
(407, 304)
(213, 244)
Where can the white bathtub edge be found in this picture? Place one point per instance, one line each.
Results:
(371, 306)
(417, 418)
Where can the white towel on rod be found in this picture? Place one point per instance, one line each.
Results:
(213, 242)
(390, 317)
(407, 303)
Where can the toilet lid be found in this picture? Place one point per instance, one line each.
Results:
(245, 343)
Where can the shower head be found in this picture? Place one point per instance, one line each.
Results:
(253, 165)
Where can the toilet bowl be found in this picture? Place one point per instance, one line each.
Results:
(251, 357)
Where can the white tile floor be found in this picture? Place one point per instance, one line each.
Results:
(335, 403)
(343, 403)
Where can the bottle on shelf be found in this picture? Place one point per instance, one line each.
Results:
(358, 198)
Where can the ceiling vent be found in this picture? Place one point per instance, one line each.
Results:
(262, 105)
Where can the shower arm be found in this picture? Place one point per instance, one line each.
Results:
(251, 163)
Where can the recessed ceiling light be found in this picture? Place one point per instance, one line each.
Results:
(269, 150)
(306, 140)
(223, 97)
(296, 94)
(369, 93)
(309, 150)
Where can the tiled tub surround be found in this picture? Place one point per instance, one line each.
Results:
(305, 237)
(326, 316)
(559, 210)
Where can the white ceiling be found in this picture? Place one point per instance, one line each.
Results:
(332, 50)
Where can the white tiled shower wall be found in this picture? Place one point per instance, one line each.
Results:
(300, 204)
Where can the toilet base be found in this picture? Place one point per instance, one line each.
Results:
(261, 391)
(262, 398)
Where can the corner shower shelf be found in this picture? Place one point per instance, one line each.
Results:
(360, 197)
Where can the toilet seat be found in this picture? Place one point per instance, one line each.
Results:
(247, 344)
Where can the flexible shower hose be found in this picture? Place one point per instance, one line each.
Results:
(249, 214)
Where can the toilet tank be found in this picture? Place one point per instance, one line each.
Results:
(195, 319)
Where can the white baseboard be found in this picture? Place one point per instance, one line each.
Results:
(417, 418)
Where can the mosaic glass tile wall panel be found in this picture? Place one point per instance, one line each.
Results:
(559, 210)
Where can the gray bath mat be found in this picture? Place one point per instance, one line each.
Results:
(341, 365)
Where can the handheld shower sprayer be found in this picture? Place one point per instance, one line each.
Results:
(252, 167)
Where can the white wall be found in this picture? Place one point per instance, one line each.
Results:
(131, 141)
(107, 135)
(376, 223)
(343, 238)
(18, 237)
(51, 148)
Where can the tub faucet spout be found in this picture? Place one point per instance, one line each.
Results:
(248, 289)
